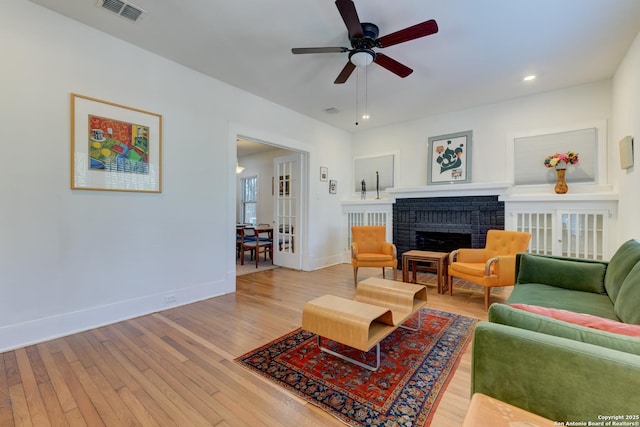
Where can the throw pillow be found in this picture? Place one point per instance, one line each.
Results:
(581, 319)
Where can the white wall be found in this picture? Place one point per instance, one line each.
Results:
(71, 260)
(490, 124)
(626, 113)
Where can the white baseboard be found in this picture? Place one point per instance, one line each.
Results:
(52, 327)
(319, 263)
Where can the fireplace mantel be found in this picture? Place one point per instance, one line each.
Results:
(450, 190)
(505, 191)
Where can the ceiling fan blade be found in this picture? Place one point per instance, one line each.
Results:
(392, 65)
(345, 73)
(350, 17)
(298, 50)
(425, 28)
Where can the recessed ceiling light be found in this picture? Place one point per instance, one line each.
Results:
(529, 78)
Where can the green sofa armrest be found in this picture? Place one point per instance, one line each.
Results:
(557, 378)
(563, 272)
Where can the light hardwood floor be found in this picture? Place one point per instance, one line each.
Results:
(176, 368)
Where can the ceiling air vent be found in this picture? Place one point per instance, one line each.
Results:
(126, 10)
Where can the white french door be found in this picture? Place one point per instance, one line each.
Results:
(287, 243)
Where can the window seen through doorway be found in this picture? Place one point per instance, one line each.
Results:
(249, 199)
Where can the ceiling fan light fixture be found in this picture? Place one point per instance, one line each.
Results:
(362, 57)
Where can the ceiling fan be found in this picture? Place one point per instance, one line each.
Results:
(364, 37)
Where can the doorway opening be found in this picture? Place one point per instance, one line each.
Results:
(279, 195)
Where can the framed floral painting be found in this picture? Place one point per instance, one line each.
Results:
(114, 148)
(450, 158)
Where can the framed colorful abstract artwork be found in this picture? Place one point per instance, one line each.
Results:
(114, 147)
(450, 158)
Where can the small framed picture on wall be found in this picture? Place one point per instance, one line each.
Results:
(324, 173)
(333, 186)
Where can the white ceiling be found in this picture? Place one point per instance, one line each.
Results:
(481, 53)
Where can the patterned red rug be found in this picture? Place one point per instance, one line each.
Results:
(415, 368)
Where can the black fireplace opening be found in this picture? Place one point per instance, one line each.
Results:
(442, 242)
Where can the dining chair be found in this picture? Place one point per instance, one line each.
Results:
(286, 239)
(251, 242)
(239, 237)
(264, 232)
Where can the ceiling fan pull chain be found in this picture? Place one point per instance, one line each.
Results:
(357, 94)
(365, 116)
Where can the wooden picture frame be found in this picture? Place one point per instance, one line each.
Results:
(450, 158)
(114, 147)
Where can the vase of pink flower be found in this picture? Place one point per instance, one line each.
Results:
(559, 161)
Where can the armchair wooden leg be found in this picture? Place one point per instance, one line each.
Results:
(450, 285)
(383, 273)
(355, 276)
(487, 294)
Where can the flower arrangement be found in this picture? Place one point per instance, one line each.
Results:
(560, 160)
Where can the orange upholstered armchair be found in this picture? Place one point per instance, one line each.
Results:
(492, 266)
(369, 248)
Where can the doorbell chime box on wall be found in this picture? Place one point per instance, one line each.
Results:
(626, 152)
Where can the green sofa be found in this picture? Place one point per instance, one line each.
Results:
(606, 289)
(560, 370)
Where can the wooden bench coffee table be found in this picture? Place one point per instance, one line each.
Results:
(379, 308)
(410, 260)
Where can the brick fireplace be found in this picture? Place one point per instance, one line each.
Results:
(445, 223)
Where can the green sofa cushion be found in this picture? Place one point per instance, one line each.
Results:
(566, 299)
(579, 275)
(625, 258)
(627, 305)
(505, 315)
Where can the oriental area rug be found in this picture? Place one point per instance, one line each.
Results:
(415, 368)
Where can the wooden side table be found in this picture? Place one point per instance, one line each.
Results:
(485, 411)
(440, 259)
